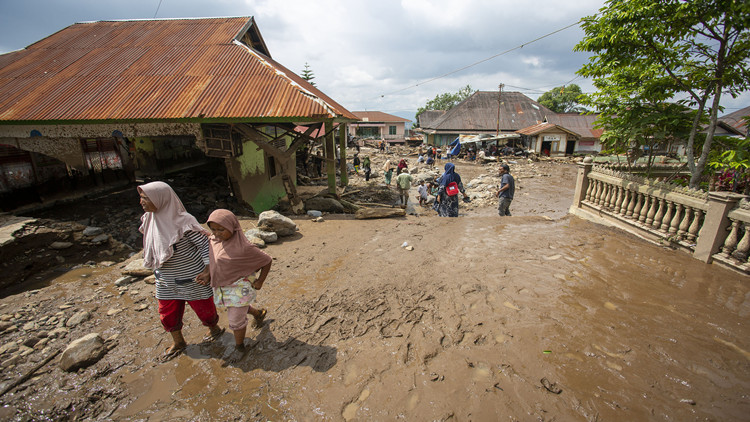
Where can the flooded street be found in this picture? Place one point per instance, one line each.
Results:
(539, 316)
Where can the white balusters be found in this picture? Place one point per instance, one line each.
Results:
(675, 223)
(731, 241)
(683, 228)
(695, 226)
(743, 247)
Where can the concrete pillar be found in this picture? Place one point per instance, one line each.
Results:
(715, 224)
(330, 158)
(342, 151)
(582, 183)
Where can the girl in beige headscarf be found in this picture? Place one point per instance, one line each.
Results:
(175, 246)
(234, 264)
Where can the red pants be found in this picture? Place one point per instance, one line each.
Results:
(171, 311)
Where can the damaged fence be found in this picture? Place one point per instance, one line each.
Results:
(712, 226)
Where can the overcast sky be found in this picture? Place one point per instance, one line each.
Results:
(376, 55)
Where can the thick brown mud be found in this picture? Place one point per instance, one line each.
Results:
(539, 316)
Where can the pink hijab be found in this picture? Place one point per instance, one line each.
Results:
(163, 228)
(236, 257)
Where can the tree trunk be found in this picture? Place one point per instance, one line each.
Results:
(696, 174)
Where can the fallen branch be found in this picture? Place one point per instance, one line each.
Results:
(28, 375)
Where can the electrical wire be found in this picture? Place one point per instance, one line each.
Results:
(482, 61)
(157, 9)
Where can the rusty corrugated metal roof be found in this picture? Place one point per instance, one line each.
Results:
(154, 70)
(378, 116)
(544, 127)
(582, 124)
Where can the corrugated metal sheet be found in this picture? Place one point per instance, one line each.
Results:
(582, 124)
(378, 116)
(156, 70)
(736, 119)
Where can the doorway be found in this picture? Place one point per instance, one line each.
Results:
(546, 148)
(570, 147)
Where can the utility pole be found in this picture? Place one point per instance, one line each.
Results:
(499, 102)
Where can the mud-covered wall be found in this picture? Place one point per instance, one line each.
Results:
(128, 130)
(251, 178)
(67, 150)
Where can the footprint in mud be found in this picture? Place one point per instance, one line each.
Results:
(511, 306)
(350, 410)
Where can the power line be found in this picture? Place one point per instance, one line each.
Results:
(157, 9)
(483, 60)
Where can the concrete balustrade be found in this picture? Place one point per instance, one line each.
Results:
(711, 226)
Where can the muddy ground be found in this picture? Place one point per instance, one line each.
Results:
(539, 316)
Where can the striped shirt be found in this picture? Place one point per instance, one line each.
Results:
(175, 279)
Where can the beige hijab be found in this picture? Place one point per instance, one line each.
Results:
(163, 228)
(235, 257)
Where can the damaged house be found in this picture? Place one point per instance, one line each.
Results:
(485, 113)
(489, 115)
(107, 102)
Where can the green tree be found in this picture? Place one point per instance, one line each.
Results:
(446, 101)
(562, 99)
(308, 75)
(698, 49)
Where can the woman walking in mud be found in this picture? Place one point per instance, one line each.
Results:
(447, 198)
(176, 248)
(234, 262)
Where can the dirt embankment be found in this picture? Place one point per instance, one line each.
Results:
(537, 316)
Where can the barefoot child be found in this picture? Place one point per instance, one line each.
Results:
(234, 262)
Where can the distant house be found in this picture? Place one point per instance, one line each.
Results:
(104, 100)
(586, 138)
(378, 125)
(549, 139)
(737, 121)
(484, 113)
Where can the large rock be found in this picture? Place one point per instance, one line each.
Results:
(136, 269)
(83, 352)
(267, 237)
(275, 222)
(321, 203)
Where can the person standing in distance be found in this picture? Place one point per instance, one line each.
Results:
(507, 189)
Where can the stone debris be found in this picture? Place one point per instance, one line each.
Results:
(60, 245)
(83, 352)
(266, 236)
(124, 281)
(78, 318)
(91, 231)
(135, 268)
(324, 204)
(256, 241)
(275, 222)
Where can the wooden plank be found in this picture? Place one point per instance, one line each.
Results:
(368, 213)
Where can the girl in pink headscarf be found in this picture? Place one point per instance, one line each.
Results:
(176, 248)
(234, 264)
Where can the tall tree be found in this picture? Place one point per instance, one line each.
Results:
(660, 50)
(446, 101)
(562, 99)
(308, 75)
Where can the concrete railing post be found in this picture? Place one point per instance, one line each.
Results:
(714, 230)
(582, 183)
